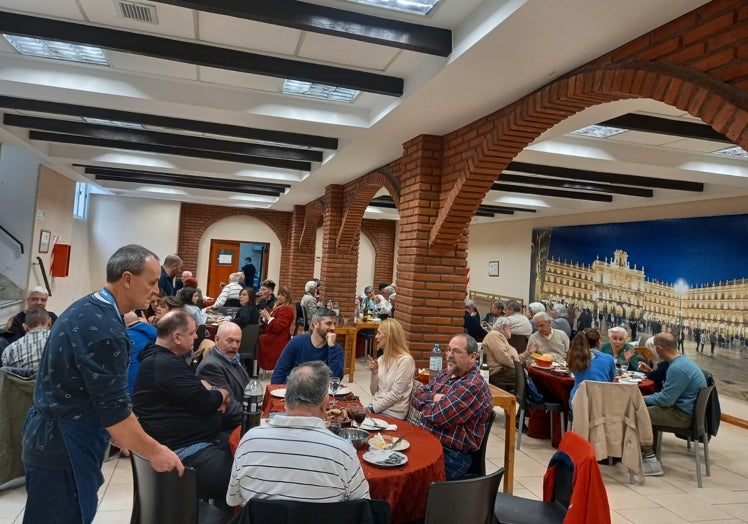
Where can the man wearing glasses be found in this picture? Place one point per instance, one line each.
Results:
(457, 406)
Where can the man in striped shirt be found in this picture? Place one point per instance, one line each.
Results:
(294, 457)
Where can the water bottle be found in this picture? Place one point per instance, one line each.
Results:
(252, 405)
(484, 372)
(435, 362)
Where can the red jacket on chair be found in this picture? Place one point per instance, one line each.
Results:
(589, 500)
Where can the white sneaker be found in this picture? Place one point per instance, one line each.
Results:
(652, 467)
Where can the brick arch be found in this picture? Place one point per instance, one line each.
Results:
(508, 131)
(358, 194)
(312, 215)
(195, 219)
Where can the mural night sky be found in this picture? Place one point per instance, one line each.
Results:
(698, 250)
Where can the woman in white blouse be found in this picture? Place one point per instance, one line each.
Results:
(392, 373)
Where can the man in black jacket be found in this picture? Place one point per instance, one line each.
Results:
(178, 409)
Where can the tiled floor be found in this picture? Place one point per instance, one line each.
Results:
(670, 499)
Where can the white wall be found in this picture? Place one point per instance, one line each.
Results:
(117, 221)
(510, 242)
(239, 229)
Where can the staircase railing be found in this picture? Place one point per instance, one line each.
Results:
(20, 244)
(44, 275)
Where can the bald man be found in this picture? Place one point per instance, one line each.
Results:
(222, 367)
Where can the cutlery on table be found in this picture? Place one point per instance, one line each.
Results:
(395, 443)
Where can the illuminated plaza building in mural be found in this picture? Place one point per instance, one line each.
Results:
(612, 287)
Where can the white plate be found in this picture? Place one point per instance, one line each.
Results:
(401, 446)
(374, 424)
(279, 393)
(630, 380)
(343, 390)
(380, 458)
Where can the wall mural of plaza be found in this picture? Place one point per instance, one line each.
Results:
(650, 276)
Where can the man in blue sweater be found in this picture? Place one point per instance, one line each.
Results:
(674, 404)
(318, 344)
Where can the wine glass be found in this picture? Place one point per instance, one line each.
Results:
(359, 417)
(335, 426)
(334, 385)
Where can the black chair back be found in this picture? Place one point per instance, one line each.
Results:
(478, 465)
(162, 497)
(468, 500)
(267, 511)
(248, 346)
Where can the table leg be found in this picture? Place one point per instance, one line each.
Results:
(509, 440)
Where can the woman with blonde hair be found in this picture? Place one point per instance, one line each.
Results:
(392, 373)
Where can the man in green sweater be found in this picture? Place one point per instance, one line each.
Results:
(674, 404)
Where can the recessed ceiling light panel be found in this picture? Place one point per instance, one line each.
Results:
(735, 151)
(57, 50)
(596, 131)
(322, 91)
(417, 7)
(117, 123)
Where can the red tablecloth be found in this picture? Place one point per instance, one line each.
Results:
(406, 488)
(271, 404)
(557, 388)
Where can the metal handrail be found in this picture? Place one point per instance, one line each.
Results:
(20, 244)
(44, 276)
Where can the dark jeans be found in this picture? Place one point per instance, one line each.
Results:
(456, 463)
(213, 468)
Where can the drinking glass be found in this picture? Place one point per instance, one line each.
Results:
(334, 385)
(359, 417)
(335, 426)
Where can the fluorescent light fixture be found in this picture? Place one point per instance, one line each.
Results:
(418, 7)
(117, 123)
(159, 189)
(735, 151)
(255, 198)
(596, 131)
(322, 91)
(29, 46)
(521, 201)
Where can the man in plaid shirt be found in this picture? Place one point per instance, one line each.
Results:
(26, 352)
(457, 406)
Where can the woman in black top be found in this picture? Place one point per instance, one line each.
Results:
(248, 313)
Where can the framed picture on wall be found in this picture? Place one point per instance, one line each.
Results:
(493, 268)
(44, 238)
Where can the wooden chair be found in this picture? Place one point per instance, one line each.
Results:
(463, 500)
(697, 432)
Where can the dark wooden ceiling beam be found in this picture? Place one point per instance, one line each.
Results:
(576, 185)
(576, 195)
(173, 180)
(199, 54)
(666, 126)
(506, 208)
(250, 133)
(600, 176)
(136, 136)
(91, 169)
(331, 21)
(170, 150)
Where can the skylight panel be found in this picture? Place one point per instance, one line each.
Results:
(735, 151)
(57, 50)
(117, 123)
(322, 91)
(418, 7)
(596, 131)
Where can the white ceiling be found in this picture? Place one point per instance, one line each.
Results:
(502, 50)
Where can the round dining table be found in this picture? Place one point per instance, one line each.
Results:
(405, 487)
(556, 387)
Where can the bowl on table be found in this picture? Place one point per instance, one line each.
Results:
(543, 361)
(358, 437)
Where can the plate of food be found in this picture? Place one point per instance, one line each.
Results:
(338, 415)
(342, 390)
(373, 424)
(279, 393)
(385, 458)
(381, 441)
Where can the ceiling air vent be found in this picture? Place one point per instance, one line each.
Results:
(135, 11)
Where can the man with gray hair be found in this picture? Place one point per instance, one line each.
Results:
(230, 291)
(294, 457)
(532, 309)
(546, 340)
(559, 318)
(36, 297)
(81, 397)
(318, 344)
(520, 323)
(26, 352)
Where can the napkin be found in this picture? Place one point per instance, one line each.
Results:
(391, 427)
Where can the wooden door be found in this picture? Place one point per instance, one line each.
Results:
(224, 260)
